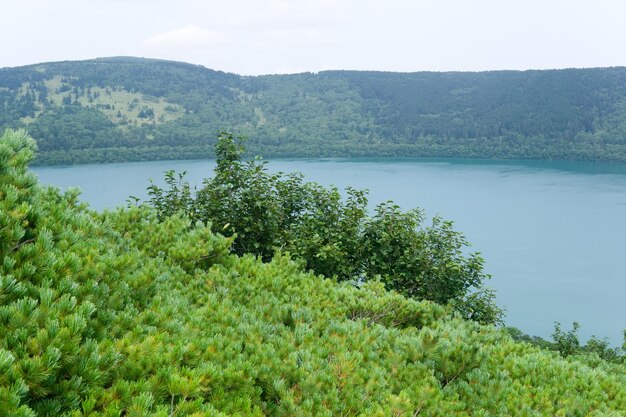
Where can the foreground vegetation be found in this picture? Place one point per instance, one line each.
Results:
(132, 313)
(333, 236)
(121, 109)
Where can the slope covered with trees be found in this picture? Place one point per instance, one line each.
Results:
(129, 108)
(125, 313)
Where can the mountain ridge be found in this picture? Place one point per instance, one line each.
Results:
(144, 108)
(130, 59)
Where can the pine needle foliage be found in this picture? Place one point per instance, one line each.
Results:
(122, 314)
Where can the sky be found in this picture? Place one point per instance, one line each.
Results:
(254, 37)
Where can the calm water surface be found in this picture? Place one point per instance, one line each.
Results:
(553, 233)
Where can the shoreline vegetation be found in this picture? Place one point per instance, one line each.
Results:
(157, 153)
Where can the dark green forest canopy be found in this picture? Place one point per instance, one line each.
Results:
(132, 109)
(118, 313)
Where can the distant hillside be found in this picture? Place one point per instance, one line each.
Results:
(132, 108)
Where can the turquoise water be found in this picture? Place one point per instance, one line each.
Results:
(553, 233)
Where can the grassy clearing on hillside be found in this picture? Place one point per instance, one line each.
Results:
(121, 106)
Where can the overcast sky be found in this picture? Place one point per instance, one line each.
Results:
(281, 36)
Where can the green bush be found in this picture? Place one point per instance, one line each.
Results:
(332, 235)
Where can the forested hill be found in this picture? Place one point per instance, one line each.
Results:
(131, 108)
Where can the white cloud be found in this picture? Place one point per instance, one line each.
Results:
(260, 36)
(190, 35)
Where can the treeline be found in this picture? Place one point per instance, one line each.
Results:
(577, 114)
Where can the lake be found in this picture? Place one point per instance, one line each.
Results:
(553, 234)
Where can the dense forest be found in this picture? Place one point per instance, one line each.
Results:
(117, 109)
(147, 310)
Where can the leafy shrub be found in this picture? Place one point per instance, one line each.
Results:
(333, 236)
